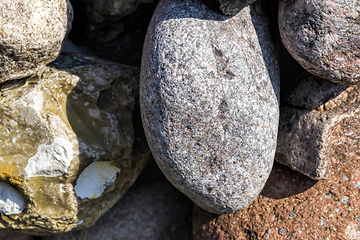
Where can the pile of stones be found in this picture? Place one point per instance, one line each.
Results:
(94, 92)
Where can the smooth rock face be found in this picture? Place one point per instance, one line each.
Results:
(11, 200)
(152, 209)
(68, 144)
(228, 7)
(322, 35)
(292, 206)
(208, 94)
(32, 34)
(319, 128)
(113, 29)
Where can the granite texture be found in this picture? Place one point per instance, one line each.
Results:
(319, 127)
(32, 34)
(292, 206)
(69, 147)
(228, 7)
(322, 35)
(113, 29)
(152, 209)
(208, 95)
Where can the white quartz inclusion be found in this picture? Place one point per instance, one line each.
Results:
(50, 160)
(94, 179)
(11, 200)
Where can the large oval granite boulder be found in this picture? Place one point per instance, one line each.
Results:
(69, 147)
(208, 94)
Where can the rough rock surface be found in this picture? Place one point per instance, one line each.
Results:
(68, 147)
(32, 34)
(228, 7)
(152, 209)
(6, 235)
(319, 128)
(113, 29)
(208, 95)
(292, 206)
(322, 35)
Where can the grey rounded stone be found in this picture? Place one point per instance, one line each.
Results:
(32, 34)
(208, 96)
(319, 127)
(322, 35)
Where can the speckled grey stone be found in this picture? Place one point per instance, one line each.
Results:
(319, 128)
(208, 95)
(228, 7)
(323, 36)
(32, 34)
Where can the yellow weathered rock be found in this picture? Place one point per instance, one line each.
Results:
(73, 120)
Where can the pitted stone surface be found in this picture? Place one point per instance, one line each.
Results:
(322, 35)
(208, 94)
(319, 128)
(68, 144)
(32, 34)
(292, 206)
(228, 7)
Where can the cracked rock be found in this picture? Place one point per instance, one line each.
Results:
(69, 147)
(319, 127)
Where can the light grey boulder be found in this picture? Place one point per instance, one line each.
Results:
(32, 34)
(319, 127)
(209, 100)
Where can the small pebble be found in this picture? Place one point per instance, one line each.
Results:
(345, 199)
(323, 221)
(282, 231)
(328, 195)
(346, 177)
(336, 210)
(357, 184)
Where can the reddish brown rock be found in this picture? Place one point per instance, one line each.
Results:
(320, 128)
(292, 206)
(5, 235)
(322, 35)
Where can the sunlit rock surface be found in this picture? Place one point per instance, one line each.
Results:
(68, 146)
(32, 33)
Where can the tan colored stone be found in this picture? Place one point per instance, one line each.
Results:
(55, 126)
(32, 34)
(319, 128)
(292, 206)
